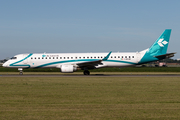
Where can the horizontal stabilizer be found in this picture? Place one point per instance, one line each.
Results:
(168, 55)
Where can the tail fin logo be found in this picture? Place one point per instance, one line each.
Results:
(162, 43)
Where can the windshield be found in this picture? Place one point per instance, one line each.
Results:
(13, 58)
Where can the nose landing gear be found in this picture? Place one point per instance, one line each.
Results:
(20, 71)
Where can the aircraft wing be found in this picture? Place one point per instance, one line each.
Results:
(168, 55)
(92, 64)
(89, 64)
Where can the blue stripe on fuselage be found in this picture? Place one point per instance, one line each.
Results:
(84, 60)
(28, 66)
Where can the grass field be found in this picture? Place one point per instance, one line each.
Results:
(98, 98)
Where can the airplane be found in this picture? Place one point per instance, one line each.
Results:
(71, 62)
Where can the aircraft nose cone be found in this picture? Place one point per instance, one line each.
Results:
(4, 65)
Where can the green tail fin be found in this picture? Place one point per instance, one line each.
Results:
(159, 48)
(161, 44)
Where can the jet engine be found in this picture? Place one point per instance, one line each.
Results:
(68, 68)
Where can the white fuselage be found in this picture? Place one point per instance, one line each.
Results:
(55, 60)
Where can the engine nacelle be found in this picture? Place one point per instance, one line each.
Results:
(68, 68)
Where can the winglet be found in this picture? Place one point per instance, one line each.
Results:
(107, 56)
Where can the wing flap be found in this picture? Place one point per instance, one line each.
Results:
(89, 64)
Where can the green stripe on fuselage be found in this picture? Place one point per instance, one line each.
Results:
(84, 60)
(28, 66)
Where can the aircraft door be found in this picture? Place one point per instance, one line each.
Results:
(138, 56)
(25, 61)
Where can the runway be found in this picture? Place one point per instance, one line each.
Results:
(96, 75)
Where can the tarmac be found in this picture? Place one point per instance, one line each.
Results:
(95, 75)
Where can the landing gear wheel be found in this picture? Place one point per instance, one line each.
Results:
(21, 73)
(86, 72)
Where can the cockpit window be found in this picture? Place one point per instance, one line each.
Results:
(13, 58)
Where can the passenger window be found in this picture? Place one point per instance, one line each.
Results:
(118, 56)
(49, 57)
(114, 56)
(129, 56)
(67, 57)
(84, 57)
(31, 58)
(71, 57)
(132, 56)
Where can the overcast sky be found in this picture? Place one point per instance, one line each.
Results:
(62, 26)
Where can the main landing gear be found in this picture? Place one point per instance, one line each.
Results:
(20, 71)
(86, 72)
